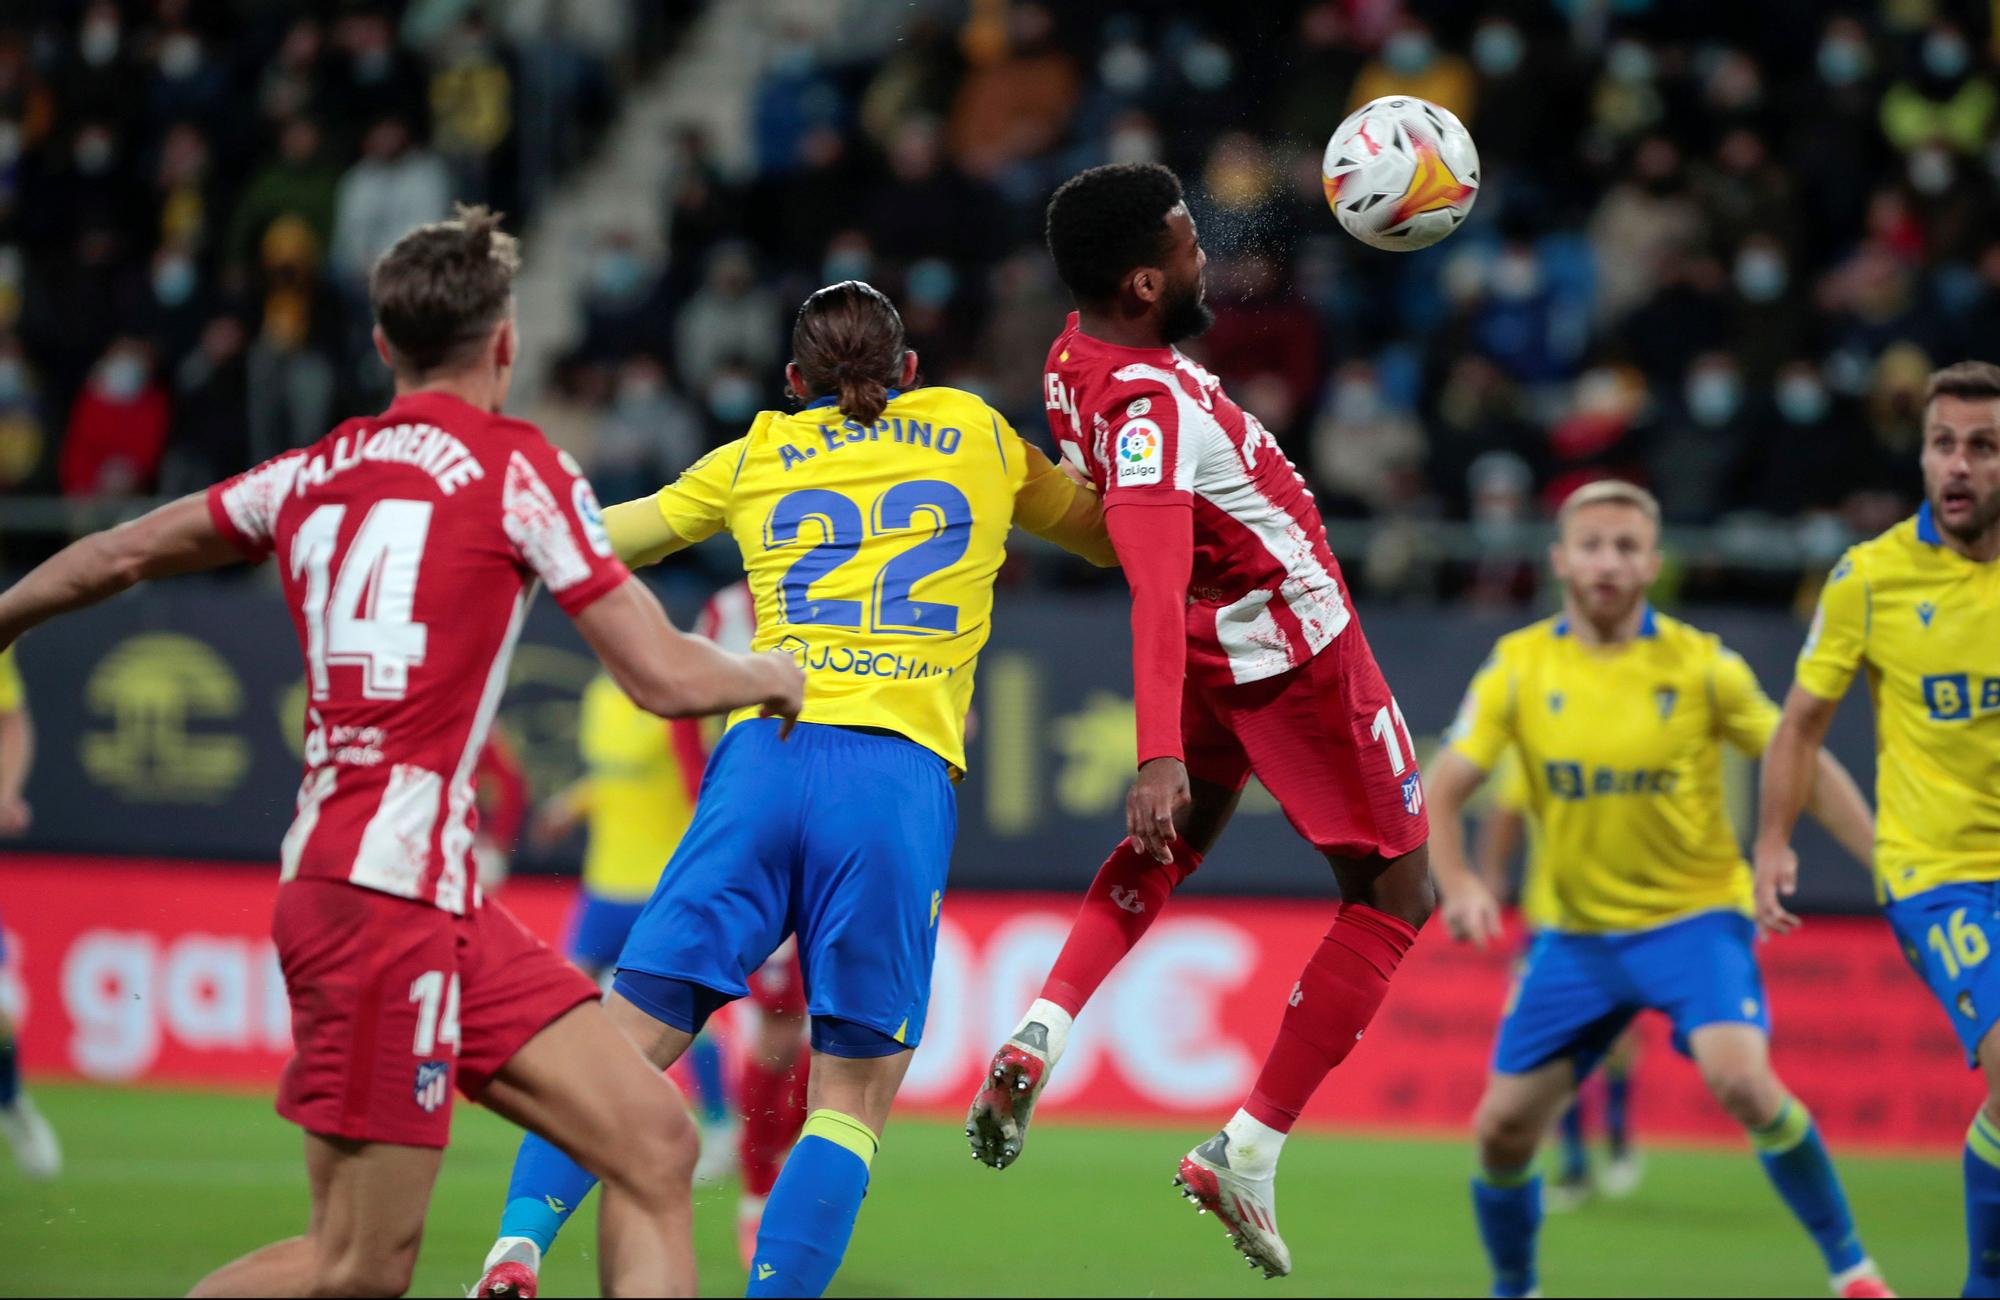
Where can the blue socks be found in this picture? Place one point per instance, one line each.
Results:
(810, 1216)
(1575, 1160)
(10, 1073)
(1982, 1207)
(1508, 1205)
(544, 1191)
(1793, 1155)
(1618, 1110)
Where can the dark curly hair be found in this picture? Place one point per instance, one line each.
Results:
(1105, 221)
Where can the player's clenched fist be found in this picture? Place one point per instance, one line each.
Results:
(1159, 793)
(785, 693)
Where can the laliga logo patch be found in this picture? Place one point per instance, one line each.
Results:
(592, 515)
(1140, 453)
(433, 1085)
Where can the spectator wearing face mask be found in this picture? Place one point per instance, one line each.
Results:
(186, 191)
(1643, 226)
(729, 318)
(1771, 321)
(1832, 138)
(185, 83)
(94, 71)
(299, 182)
(731, 398)
(649, 435)
(1410, 63)
(1367, 450)
(1695, 456)
(117, 426)
(210, 390)
(1017, 97)
(176, 304)
(1941, 98)
(626, 304)
(1809, 453)
(394, 186)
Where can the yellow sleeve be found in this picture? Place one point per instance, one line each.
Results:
(1053, 507)
(1838, 639)
(1744, 715)
(1510, 783)
(13, 696)
(695, 506)
(1484, 727)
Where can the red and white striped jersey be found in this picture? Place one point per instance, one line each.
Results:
(1149, 425)
(730, 618)
(409, 545)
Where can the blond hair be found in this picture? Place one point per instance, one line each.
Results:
(1609, 492)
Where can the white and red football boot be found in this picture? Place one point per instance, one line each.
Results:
(997, 1124)
(510, 1270)
(1246, 1204)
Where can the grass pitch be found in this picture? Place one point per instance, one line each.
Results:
(163, 1186)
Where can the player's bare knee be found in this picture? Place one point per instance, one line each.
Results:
(1507, 1137)
(1749, 1096)
(656, 1160)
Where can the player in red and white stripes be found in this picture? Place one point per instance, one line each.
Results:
(1246, 657)
(409, 545)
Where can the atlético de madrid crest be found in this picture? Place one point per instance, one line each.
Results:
(433, 1084)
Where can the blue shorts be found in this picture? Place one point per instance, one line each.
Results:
(1949, 935)
(1577, 992)
(843, 836)
(597, 929)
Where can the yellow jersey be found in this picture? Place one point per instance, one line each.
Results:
(1926, 622)
(13, 696)
(871, 551)
(636, 794)
(1620, 749)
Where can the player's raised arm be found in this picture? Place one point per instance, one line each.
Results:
(1791, 762)
(178, 538)
(1056, 508)
(669, 673)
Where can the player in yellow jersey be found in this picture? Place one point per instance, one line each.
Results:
(1919, 607)
(1618, 715)
(28, 1134)
(1502, 829)
(872, 523)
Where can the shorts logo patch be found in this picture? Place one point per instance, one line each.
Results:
(1749, 1008)
(1413, 794)
(1965, 1007)
(1141, 453)
(433, 1085)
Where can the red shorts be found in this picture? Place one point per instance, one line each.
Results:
(1327, 741)
(778, 987)
(395, 1002)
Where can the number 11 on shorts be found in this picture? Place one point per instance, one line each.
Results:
(1388, 723)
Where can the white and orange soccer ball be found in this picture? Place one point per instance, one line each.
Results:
(1400, 173)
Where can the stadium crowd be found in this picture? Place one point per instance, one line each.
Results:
(1686, 267)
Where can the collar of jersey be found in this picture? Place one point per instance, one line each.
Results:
(818, 402)
(1927, 531)
(1649, 626)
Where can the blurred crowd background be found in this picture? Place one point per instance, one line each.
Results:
(1718, 248)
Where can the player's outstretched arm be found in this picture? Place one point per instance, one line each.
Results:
(1058, 509)
(673, 675)
(1790, 764)
(1471, 912)
(177, 538)
(640, 534)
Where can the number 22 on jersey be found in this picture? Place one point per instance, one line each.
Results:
(842, 528)
(363, 615)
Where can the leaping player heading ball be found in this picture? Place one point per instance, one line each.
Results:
(409, 544)
(1246, 657)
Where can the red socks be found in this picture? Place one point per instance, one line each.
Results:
(1128, 893)
(1335, 998)
(774, 1110)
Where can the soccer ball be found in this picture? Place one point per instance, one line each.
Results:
(1400, 173)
